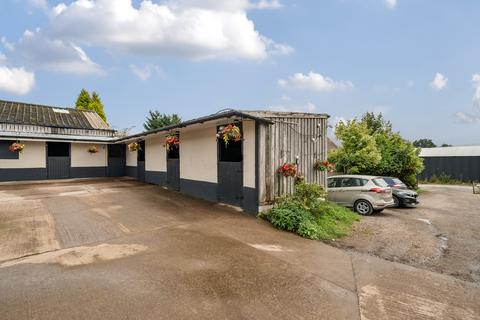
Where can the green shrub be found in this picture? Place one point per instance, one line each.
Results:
(308, 214)
(442, 179)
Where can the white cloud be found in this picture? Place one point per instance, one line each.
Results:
(144, 73)
(391, 3)
(7, 45)
(3, 58)
(41, 4)
(439, 82)
(314, 81)
(467, 118)
(196, 29)
(267, 4)
(16, 80)
(55, 55)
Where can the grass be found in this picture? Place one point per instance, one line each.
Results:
(443, 179)
(308, 214)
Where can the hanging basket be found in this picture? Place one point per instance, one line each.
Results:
(288, 170)
(229, 133)
(93, 149)
(324, 166)
(16, 147)
(171, 141)
(134, 146)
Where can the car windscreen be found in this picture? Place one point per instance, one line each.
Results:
(380, 183)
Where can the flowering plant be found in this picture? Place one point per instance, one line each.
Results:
(171, 141)
(16, 147)
(93, 149)
(324, 166)
(134, 146)
(228, 133)
(288, 170)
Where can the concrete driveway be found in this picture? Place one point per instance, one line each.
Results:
(118, 249)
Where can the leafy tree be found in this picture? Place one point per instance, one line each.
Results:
(97, 106)
(358, 152)
(156, 120)
(83, 100)
(446, 145)
(424, 143)
(92, 103)
(369, 146)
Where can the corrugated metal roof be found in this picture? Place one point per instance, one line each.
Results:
(47, 116)
(463, 151)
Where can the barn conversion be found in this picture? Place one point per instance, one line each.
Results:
(462, 163)
(231, 157)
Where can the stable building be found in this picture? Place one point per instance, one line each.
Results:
(57, 143)
(232, 157)
(242, 173)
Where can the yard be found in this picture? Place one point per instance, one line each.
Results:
(120, 249)
(441, 235)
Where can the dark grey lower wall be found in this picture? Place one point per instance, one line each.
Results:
(461, 168)
(131, 171)
(88, 172)
(156, 177)
(199, 189)
(250, 200)
(23, 174)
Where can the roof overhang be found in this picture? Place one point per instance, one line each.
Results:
(56, 138)
(231, 115)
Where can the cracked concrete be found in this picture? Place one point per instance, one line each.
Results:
(118, 249)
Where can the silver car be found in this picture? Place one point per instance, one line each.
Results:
(365, 194)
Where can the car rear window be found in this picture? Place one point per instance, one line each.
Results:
(380, 183)
(398, 181)
(353, 182)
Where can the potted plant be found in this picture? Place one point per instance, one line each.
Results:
(93, 149)
(288, 170)
(16, 147)
(134, 146)
(229, 133)
(171, 141)
(324, 166)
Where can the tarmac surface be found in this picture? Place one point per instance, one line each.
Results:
(119, 249)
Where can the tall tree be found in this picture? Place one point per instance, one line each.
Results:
(370, 146)
(156, 120)
(424, 143)
(83, 100)
(97, 106)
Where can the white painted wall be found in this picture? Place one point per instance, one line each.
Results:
(198, 154)
(155, 154)
(80, 157)
(249, 153)
(131, 157)
(33, 156)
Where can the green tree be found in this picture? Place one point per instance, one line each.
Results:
(156, 120)
(424, 143)
(446, 145)
(358, 152)
(97, 106)
(369, 146)
(83, 100)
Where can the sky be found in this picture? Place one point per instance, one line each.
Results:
(416, 62)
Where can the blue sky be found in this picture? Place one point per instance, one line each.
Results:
(415, 61)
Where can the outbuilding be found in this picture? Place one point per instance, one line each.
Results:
(43, 142)
(242, 173)
(461, 163)
(242, 158)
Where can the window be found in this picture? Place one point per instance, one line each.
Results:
(141, 151)
(380, 183)
(331, 183)
(58, 149)
(353, 182)
(173, 153)
(231, 152)
(5, 153)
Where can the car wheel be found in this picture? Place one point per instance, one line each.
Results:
(363, 207)
(396, 202)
